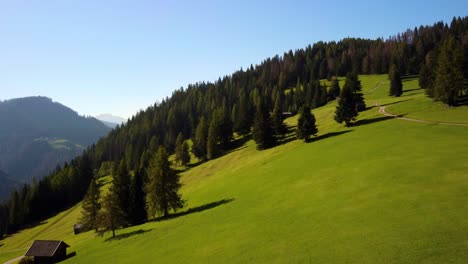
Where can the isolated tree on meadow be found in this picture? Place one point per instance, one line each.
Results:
(396, 87)
(262, 130)
(306, 124)
(162, 188)
(353, 83)
(346, 110)
(182, 155)
(91, 206)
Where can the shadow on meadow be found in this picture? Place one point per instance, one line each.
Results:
(130, 234)
(397, 102)
(197, 209)
(373, 120)
(328, 135)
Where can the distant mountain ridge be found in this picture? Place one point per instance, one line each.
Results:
(37, 134)
(110, 120)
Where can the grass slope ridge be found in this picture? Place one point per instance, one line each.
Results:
(383, 191)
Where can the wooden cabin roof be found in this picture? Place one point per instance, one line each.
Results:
(45, 248)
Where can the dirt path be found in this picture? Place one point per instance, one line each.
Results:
(11, 261)
(375, 87)
(382, 111)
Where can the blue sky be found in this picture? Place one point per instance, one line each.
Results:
(121, 56)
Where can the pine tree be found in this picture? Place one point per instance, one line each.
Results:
(91, 206)
(449, 75)
(243, 120)
(277, 119)
(334, 89)
(200, 140)
(262, 129)
(162, 189)
(305, 124)
(346, 110)
(182, 155)
(212, 147)
(396, 87)
(138, 211)
(111, 215)
(354, 84)
(121, 188)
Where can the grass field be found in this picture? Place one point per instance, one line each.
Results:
(383, 191)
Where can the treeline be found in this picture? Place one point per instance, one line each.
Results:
(444, 70)
(210, 113)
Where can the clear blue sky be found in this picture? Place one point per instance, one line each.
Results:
(121, 56)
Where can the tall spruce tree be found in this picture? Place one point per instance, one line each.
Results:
(346, 110)
(306, 124)
(396, 87)
(243, 121)
(200, 140)
(449, 75)
(182, 155)
(354, 84)
(138, 211)
(334, 89)
(262, 129)
(212, 147)
(111, 215)
(277, 119)
(121, 188)
(91, 206)
(162, 188)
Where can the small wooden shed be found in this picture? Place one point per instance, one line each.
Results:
(47, 251)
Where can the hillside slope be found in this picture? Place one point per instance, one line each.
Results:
(37, 134)
(383, 191)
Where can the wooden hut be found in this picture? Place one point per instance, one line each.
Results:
(47, 251)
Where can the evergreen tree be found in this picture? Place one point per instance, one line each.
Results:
(396, 87)
(121, 188)
(91, 206)
(200, 140)
(138, 211)
(305, 124)
(277, 119)
(346, 110)
(354, 84)
(424, 77)
(243, 120)
(262, 129)
(111, 215)
(182, 155)
(449, 76)
(162, 189)
(334, 89)
(212, 147)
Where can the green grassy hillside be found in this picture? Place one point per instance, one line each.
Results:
(383, 191)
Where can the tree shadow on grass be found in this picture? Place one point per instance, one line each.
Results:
(410, 90)
(197, 209)
(372, 120)
(397, 102)
(127, 235)
(328, 135)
